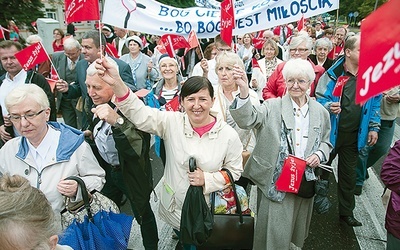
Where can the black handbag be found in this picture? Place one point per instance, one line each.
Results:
(230, 231)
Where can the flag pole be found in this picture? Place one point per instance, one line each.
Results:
(51, 61)
(101, 50)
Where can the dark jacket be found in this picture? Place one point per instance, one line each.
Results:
(390, 175)
(38, 79)
(133, 150)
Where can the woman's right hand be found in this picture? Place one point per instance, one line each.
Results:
(240, 77)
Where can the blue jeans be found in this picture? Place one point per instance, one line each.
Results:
(368, 156)
(185, 246)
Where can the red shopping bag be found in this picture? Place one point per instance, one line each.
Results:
(292, 173)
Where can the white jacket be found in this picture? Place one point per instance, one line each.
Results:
(218, 148)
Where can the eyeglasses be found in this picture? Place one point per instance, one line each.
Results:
(301, 82)
(300, 50)
(224, 49)
(28, 117)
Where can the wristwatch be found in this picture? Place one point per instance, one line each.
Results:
(119, 122)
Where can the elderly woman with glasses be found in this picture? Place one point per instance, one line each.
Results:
(267, 65)
(293, 124)
(321, 48)
(47, 152)
(300, 47)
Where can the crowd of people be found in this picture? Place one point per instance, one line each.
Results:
(285, 104)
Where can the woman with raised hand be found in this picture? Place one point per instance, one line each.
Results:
(198, 133)
(293, 124)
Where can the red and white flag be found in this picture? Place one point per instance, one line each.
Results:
(380, 70)
(54, 74)
(192, 40)
(338, 89)
(291, 175)
(300, 23)
(227, 21)
(172, 105)
(173, 42)
(111, 50)
(81, 10)
(254, 63)
(258, 42)
(32, 55)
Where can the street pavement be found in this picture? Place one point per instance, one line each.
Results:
(326, 231)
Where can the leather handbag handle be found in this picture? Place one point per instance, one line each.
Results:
(192, 164)
(85, 194)
(238, 205)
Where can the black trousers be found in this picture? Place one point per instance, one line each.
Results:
(347, 151)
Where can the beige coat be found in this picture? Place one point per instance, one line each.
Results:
(220, 147)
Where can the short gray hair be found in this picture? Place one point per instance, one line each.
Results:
(230, 58)
(71, 43)
(20, 93)
(323, 42)
(91, 70)
(297, 40)
(298, 67)
(33, 39)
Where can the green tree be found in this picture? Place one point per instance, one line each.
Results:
(22, 12)
(179, 3)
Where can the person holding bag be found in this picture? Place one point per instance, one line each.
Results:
(198, 133)
(293, 123)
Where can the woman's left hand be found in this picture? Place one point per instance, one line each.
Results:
(67, 187)
(313, 161)
(196, 178)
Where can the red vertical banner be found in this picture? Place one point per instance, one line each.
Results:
(227, 21)
(32, 55)
(81, 10)
(300, 23)
(379, 63)
(2, 36)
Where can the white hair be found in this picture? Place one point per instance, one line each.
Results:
(298, 67)
(91, 70)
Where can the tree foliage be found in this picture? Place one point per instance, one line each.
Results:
(22, 12)
(179, 3)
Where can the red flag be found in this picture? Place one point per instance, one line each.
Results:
(227, 21)
(53, 73)
(32, 55)
(82, 10)
(379, 70)
(111, 50)
(338, 89)
(173, 42)
(2, 36)
(254, 63)
(144, 41)
(161, 48)
(292, 173)
(258, 42)
(193, 40)
(300, 23)
(52, 83)
(172, 105)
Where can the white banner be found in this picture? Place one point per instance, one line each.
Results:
(151, 17)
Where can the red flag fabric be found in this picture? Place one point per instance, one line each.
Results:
(2, 36)
(173, 42)
(292, 173)
(77, 11)
(144, 41)
(227, 21)
(193, 40)
(161, 48)
(254, 63)
(111, 50)
(32, 55)
(172, 105)
(300, 23)
(53, 74)
(258, 42)
(338, 89)
(380, 70)
(52, 84)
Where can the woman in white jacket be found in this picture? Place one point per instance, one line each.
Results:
(197, 133)
(47, 152)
